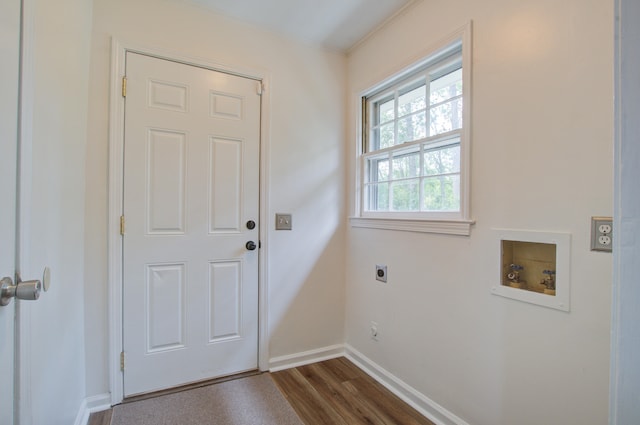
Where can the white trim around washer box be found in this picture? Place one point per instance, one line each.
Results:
(116, 136)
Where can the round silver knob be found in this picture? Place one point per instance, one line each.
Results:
(27, 290)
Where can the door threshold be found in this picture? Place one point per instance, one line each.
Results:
(191, 386)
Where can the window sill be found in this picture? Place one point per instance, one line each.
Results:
(447, 227)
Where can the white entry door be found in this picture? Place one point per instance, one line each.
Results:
(9, 71)
(191, 208)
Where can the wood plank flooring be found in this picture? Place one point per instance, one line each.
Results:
(100, 418)
(336, 392)
(332, 392)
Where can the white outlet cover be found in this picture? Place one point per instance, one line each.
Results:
(373, 331)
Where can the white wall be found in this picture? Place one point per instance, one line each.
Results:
(625, 371)
(306, 165)
(541, 160)
(56, 81)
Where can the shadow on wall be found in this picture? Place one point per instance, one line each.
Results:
(306, 264)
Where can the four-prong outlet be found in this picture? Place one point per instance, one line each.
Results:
(381, 273)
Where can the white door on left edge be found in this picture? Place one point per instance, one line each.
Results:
(191, 186)
(9, 72)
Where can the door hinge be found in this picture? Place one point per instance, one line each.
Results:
(124, 86)
(122, 225)
(260, 88)
(122, 361)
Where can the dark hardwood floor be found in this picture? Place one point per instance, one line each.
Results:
(336, 392)
(333, 392)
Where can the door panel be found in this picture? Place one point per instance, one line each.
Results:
(191, 180)
(9, 70)
(226, 194)
(225, 304)
(166, 297)
(166, 185)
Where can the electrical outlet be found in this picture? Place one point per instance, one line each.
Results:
(373, 331)
(381, 273)
(601, 234)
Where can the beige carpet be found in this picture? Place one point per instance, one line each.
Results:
(248, 401)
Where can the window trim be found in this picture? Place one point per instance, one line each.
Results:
(455, 223)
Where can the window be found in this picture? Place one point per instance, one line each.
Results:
(414, 154)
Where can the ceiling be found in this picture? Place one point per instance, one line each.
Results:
(336, 24)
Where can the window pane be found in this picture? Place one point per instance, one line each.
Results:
(406, 165)
(383, 137)
(385, 111)
(412, 101)
(406, 196)
(379, 197)
(378, 169)
(441, 193)
(446, 117)
(445, 160)
(446, 87)
(412, 127)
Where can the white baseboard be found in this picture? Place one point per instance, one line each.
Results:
(306, 357)
(89, 405)
(427, 407)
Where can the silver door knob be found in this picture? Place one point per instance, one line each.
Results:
(27, 290)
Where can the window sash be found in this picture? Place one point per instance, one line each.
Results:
(379, 195)
(372, 126)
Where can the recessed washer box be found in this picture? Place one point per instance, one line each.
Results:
(533, 267)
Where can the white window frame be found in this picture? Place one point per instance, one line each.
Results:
(458, 222)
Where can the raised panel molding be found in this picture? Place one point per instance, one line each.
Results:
(166, 182)
(166, 306)
(226, 106)
(225, 296)
(225, 186)
(168, 96)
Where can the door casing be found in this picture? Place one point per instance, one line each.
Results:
(115, 206)
(9, 128)
(22, 379)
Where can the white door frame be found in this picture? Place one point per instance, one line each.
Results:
(24, 354)
(623, 393)
(11, 45)
(119, 50)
